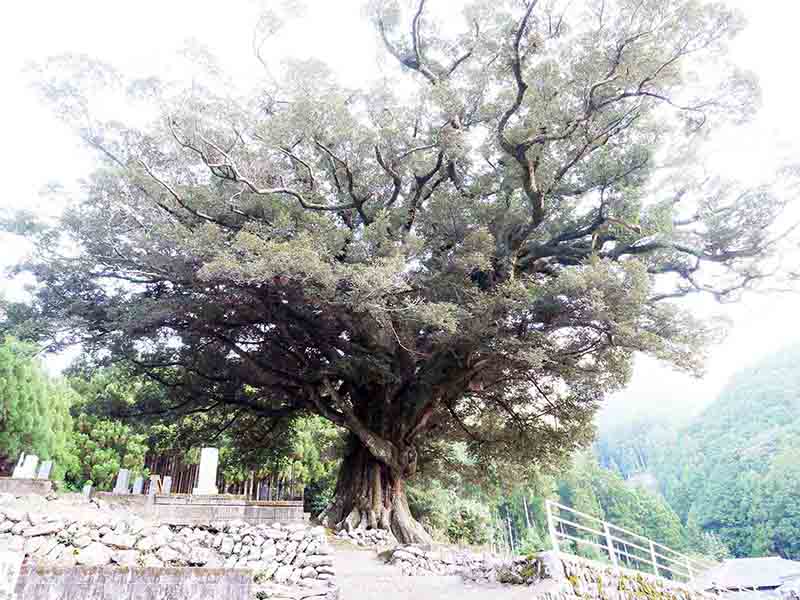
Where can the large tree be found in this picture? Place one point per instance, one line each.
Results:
(473, 253)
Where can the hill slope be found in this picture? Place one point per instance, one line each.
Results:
(734, 469)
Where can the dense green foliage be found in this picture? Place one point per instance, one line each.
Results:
(589, 488)
(95, 421)
(732, 470)
(303, 450)
(34, 409)
(102, 447)
(450, 514)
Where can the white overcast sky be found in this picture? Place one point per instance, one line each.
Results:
(143, 36)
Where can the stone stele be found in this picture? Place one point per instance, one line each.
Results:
(123, 482)
(18, 468)
(44, 470)
(207, 478)
(28, 470)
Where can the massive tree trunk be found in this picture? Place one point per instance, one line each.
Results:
(371, 495)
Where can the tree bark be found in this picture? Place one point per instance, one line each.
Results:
(371, 495)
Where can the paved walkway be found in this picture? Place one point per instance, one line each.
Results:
(362, 576)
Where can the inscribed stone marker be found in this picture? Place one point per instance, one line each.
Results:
(44, 470)
(87, 490)
(28, 470)
(18, 469)
(138, 485)
(123, 482)
(207, 478)
(155, 485)
(167, 488)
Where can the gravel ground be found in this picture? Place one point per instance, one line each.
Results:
(361, 576)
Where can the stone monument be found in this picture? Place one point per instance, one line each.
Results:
(155, 485)
(18, 468)
(28, 470)
(87, 491)
(207, 477)
(44, 470)
(138, 485)
(167, 487)
(26, 479)
(123, 482)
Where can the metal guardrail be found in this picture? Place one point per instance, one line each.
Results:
(621, 545)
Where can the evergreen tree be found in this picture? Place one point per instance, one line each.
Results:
(34, 409)
(104, 447)
(473, 257)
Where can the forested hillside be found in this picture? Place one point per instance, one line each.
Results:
(734, 470)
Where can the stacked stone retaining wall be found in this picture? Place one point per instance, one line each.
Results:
(551, 575)
(285, 560)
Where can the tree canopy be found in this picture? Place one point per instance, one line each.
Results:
(473, 255)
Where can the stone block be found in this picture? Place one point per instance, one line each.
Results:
(120, 541)
(18, 468)
(122, 485)
(207, 475)
(25, 486)
(28, 468)
(44, 470)
(283, 573)
(126, 558)
(10, 565)
(133, 584)
(94, 555)
(43, 529)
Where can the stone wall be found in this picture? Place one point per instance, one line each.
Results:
(102, 583)
(414, 560)
(187, 509)
(598, 580)
(289, 560)
(368, 538)
(131, 502)
(551, 575)
(23, 487)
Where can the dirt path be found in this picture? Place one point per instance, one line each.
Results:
(361, 576)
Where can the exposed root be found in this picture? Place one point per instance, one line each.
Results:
(369, 497)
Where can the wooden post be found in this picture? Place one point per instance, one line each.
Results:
(527, 512)
(610, 544)
(510, 534)
(653, 557)
(551, 527)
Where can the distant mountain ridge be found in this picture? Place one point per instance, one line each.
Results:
(734, 469)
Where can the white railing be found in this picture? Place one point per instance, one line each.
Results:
(624, 548)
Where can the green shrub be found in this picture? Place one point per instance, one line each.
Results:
(104, 447)
(447, 516)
